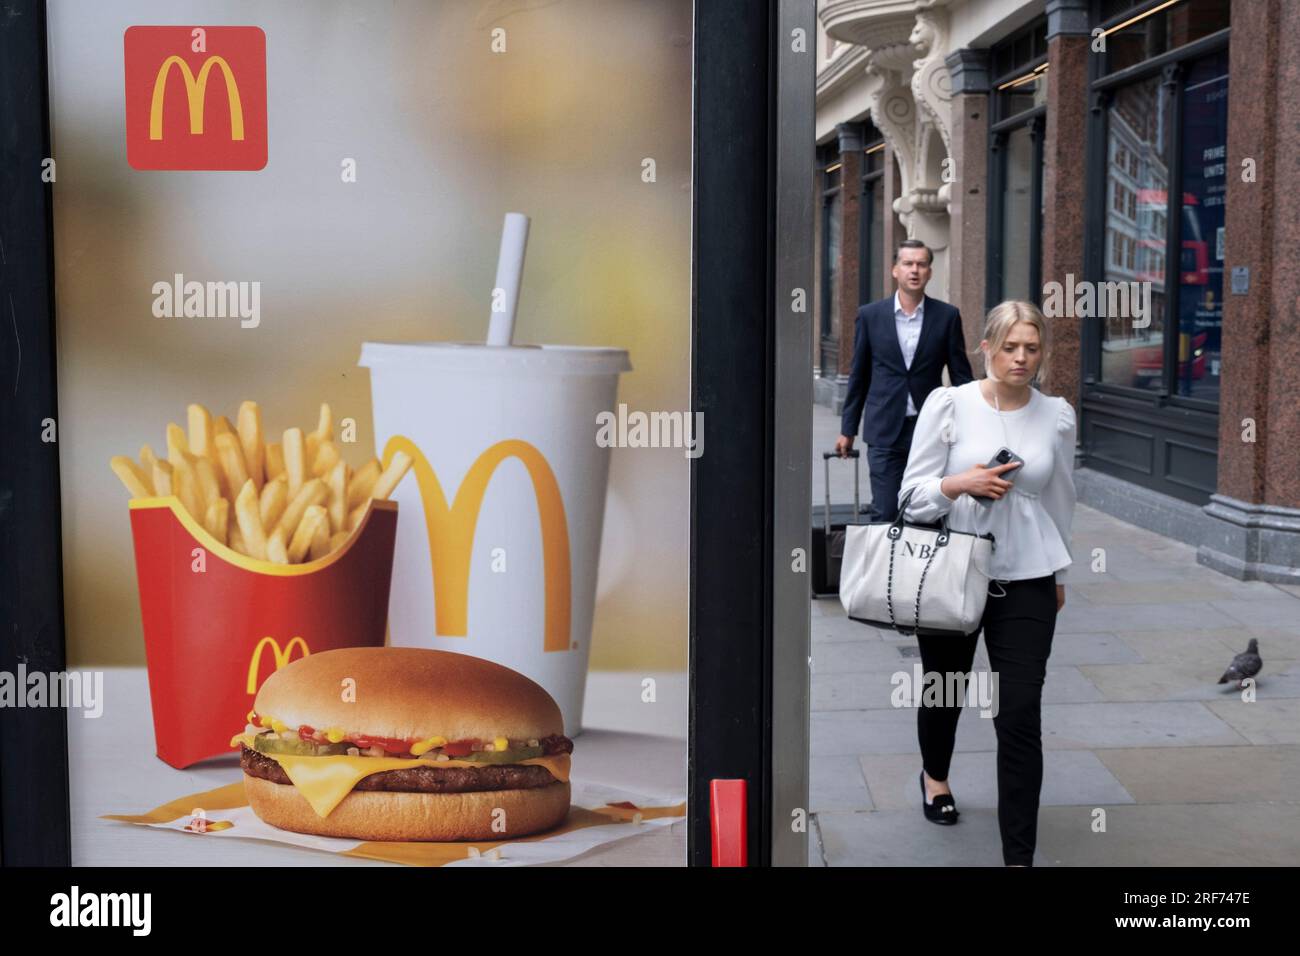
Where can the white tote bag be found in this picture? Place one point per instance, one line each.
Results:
(915, 578)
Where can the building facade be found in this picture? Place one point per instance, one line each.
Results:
(1123, 164)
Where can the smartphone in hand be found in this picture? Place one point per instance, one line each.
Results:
(1003, 456)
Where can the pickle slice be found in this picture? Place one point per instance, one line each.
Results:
(275, 744)
(502, 756)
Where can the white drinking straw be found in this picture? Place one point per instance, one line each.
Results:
(510, 273)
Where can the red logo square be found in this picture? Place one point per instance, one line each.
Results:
(195, 97)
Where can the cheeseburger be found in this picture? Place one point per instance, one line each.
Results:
(400, 743)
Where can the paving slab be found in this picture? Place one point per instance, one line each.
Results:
(853, 732)
(1172, 834)
(1212, 647)
(1262, 721)
(1069, 777)
(836, 783)
(1170, 680)
(906, 838)
(1168, 724)
(1269, 772)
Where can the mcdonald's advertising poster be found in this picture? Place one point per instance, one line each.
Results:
(374, 331)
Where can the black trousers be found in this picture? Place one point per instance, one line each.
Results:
(1017, 632)
(886, 467)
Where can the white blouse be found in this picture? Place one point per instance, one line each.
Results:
(958, 428)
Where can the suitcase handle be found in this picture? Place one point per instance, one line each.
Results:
(857, 481)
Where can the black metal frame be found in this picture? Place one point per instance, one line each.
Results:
(34, 791)
(1160, 416)
(1000, 128)
(733, 333)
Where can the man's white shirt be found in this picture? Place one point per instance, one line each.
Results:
(909, 333)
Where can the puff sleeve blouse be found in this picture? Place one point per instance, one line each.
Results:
(958, 428)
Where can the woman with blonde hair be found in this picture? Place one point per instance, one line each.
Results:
(1028, 508)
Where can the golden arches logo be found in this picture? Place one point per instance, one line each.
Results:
(451, 535)
(281, 656)
(195, 93)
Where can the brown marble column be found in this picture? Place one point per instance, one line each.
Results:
(1254, 529)
(968, 203)
(850, 135)
(1256, 80)
(1064, 180)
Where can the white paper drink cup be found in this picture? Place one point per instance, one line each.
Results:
(454, 402)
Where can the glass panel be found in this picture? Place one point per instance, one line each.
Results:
(1170, 28)
(876, 225)
(1023, 96)
(1132, 352)
(1017, 214)
(1200, 298)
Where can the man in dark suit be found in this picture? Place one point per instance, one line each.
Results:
(900, 347)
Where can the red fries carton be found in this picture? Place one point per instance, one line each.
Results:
(217, 623)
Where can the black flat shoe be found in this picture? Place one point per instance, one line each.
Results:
(943, 810)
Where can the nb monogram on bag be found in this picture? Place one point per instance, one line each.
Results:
(914, 550)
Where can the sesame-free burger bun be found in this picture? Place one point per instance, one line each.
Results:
(409, 692)
(381, 815)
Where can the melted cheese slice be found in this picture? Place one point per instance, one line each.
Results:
(325, 781)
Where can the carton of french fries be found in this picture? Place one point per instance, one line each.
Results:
(250, 552)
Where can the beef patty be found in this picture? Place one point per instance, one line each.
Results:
(432, 779)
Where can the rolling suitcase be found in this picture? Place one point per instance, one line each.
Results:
(828, 537)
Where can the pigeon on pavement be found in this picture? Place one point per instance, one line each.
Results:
(1245, 664)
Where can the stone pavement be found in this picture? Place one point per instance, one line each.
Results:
(1188, 773)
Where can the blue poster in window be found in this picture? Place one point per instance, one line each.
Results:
(1205, 166)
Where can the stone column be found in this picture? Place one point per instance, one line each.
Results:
(968, 206)
(1064, 180)
(1255, 526)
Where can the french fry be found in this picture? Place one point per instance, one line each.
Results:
(185, 482)
(308, 530)
(200, 437)
(274, 460)
(327, 456)
(249, 425)
(250, 522)
(237, 540)
(222, 427)
(147, 459)
(275, 549)
(325, 423)
(337, 540)
(209, 480)
(162, 478)
(323, 433)
(361, 483)
(395, 472)
(177, 444)
(320, 541)
(338, 495)
(295, 459)
(231, 459)
(136, 483)
(313, 492)
(217, 520)
(275, 495)
(358, 514)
